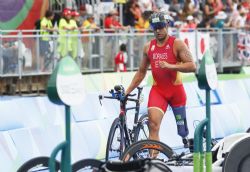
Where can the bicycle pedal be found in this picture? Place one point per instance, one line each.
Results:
(185, 142)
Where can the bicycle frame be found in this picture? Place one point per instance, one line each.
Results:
(129, 134)
(118, 93)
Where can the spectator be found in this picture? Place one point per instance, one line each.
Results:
(143, 22)
(111, 21)
(136, 11)
(89, 23)
(190, 24)
(246, 4)
(74, 23)
(241, 19)
(132, 13)
(220, 20)
(88, 26)
(111, 24)
(56, 19)
(83, 13)
(129, 18)
(65, 46)
(234, 4)
(211, 9)
(205, 23)
(178, 24)
(228, 6)
(76, 18)
(9, 56)
(108, 21)
(121, 59)
(188, 9)
(160, 4)
(147, 5)
(46, 28)
(235, 14)
(175, 6)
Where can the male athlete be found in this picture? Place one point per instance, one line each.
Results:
(168, 56)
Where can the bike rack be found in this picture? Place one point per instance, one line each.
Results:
(63, 90)
(207, 79)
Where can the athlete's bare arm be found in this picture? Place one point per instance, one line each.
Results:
(183, 55)
(140, 74)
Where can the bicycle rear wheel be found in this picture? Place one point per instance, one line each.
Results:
(115, 143)
(142, 130)
(37, 164)
(147, 149)
(87, 165)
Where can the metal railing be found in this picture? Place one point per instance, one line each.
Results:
(21, 52)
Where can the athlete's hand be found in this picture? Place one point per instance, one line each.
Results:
(164, 64)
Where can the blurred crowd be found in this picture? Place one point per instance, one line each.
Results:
(186, 14)
(191, 14)
(134, 14)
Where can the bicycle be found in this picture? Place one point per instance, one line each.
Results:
(145, 149)
(158, 150)
(120, 136)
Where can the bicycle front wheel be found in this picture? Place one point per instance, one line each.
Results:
(147, 149)
(115, 143)
(37, 164)
(87, 165)
(142, 129)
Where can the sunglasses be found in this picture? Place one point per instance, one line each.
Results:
(158, 25)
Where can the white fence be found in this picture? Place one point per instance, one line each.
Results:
(22, 53)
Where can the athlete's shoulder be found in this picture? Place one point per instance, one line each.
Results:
(147, 45)
(150, 43)
(178, 43)
(177, 40)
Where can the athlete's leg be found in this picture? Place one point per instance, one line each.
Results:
(155, 116)
(181, 120)
(157, 106)
(178, 103)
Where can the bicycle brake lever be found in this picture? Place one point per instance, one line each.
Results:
(100, 98)
(112, 92)
(132, 95)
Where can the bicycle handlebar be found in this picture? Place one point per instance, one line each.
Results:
(119, 93)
